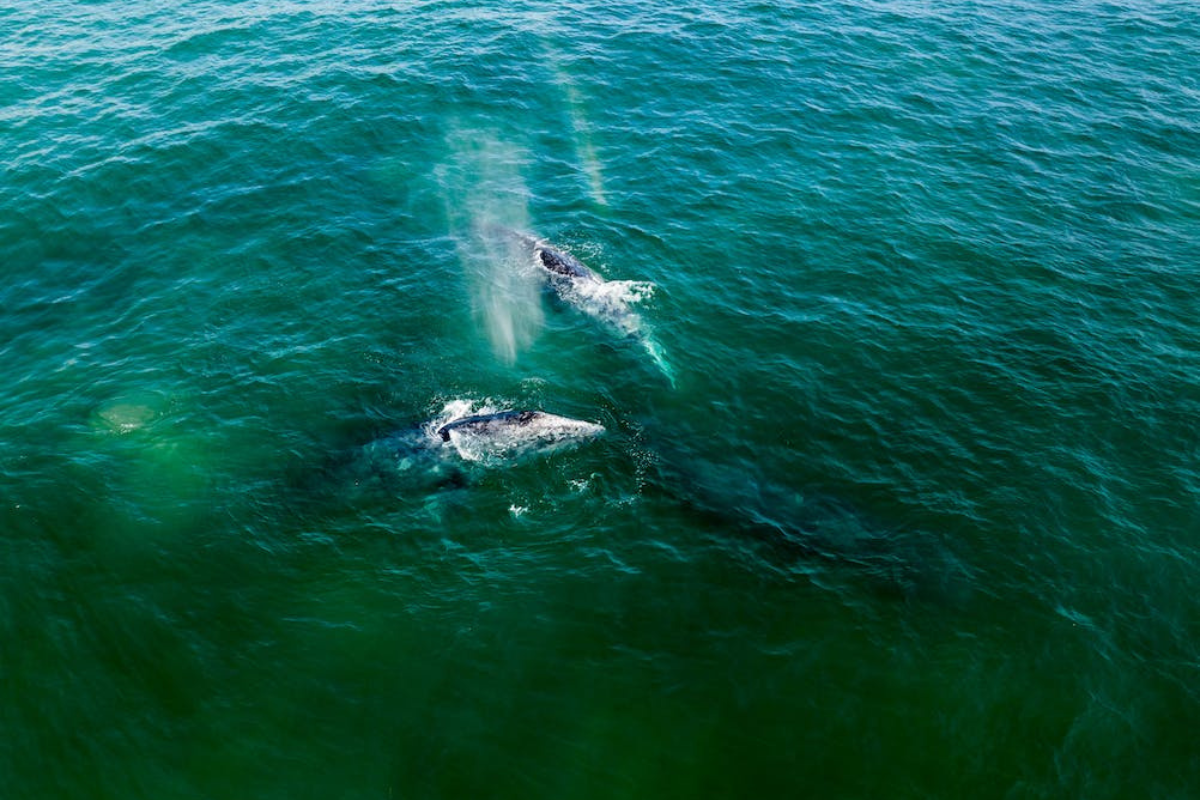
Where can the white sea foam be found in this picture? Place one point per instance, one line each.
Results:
(612, 304)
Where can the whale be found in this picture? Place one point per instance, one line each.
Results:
(507, 435)
(580, 286)
(446, 452)
(609, 302)
(563, 268)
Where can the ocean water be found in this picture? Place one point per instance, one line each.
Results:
(898, 494)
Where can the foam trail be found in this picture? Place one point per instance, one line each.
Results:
(659, 357)
(612, 303)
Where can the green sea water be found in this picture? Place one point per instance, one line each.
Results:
(898, 496)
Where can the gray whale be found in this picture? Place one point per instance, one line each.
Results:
(608, 302)
(441, 453)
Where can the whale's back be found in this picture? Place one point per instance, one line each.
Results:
(508, 434)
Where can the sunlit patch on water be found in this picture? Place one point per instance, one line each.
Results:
(129, 412)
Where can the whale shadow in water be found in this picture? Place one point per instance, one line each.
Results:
(812, 528)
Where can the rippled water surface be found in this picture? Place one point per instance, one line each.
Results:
(895, 352)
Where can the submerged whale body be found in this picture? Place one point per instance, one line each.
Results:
(813, 531)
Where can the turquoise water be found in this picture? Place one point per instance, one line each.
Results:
(906, 507)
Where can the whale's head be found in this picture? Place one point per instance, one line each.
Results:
(562, 264)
